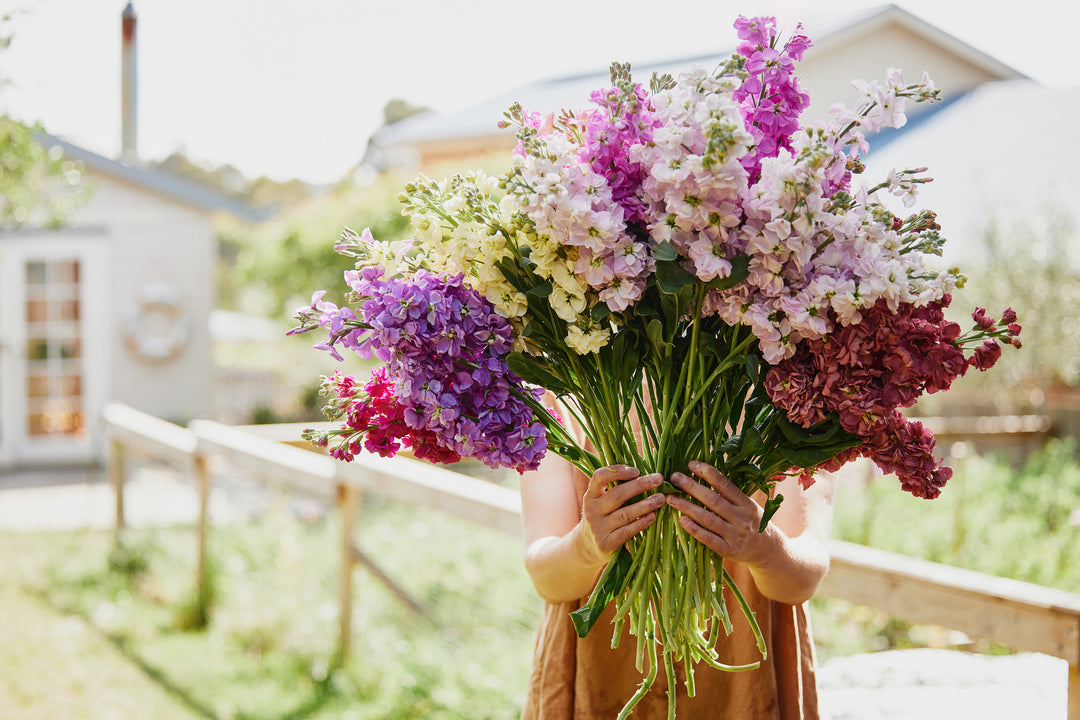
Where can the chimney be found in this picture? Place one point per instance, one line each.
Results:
(128, 104)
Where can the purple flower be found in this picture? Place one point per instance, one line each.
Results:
(445, 348)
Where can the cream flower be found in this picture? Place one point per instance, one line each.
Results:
(589, 339)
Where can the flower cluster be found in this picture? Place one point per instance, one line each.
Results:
(446, 388)
(770, 98)
(717, 166)
(579, 188)
(373, 419)
(865, 372)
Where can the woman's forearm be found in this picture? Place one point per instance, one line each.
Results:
(791, 568)
(564, 568)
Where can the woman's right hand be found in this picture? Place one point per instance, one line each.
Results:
(608, 521)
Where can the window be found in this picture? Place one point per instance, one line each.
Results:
(54, 358)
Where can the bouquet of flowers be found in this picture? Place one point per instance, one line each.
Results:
(684, 255)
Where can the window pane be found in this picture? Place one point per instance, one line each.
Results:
(37, 349)
(37, 311)
(69, 310)
(37, 386)
(35, 273)
(71, 385)
(55, 416)
(69, 347)
(65, 272)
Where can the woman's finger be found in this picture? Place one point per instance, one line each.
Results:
(718, 481)
(628, 514)
(607, 475)
(621, 494)
(702, 516)
(715, 542)
(618, 537)
(702, 493)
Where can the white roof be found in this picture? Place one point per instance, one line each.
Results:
(827, 28)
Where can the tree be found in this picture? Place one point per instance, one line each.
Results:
(272, 268)
(1034, 267)
(38, 186)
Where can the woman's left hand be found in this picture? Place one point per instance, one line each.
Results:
(728, 523)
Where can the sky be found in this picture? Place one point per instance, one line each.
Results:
(294, 88)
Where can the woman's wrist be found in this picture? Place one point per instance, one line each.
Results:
(790, 569)
(565, 568)
(587, 550)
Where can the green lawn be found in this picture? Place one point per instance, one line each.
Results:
(86, 638)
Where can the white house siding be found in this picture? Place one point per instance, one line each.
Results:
(1000, 155)
(156, 241)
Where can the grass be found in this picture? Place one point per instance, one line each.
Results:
(116, 635)
(995, 516)
(92, 630)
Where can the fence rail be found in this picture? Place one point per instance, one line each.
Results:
(1021, 615)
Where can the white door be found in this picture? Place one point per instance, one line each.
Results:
(52, 347)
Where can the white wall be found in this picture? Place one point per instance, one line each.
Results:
(154, 240)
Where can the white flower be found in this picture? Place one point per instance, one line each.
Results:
(567, 306)
(587, 340)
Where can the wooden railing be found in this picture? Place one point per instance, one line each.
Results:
(1021, 615)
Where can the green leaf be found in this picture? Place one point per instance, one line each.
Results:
(645, 309)
(530, 370)
(751, 362)
(671, 277)
(807, 457)
(615, 575)
(665, 251)
(771, 506)
(542, 290)
(752, 442)
(732, 444)
(655, 332)
(821, 434)
(599, 312)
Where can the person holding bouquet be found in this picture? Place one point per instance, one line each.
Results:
(573, 525)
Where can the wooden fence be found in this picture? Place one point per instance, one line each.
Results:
(1021, 615)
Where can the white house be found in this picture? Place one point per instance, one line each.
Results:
(113, 307)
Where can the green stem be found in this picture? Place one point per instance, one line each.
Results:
(647, 681)
(750, 615)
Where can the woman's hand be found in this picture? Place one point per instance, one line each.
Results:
(573, 524)
(787, 564)
(608, 518)
(728, 523)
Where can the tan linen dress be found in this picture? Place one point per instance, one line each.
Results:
(584, 679)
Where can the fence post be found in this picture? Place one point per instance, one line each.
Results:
(116, 479)
(202, 480)
(1074, 692)
(348, 497)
